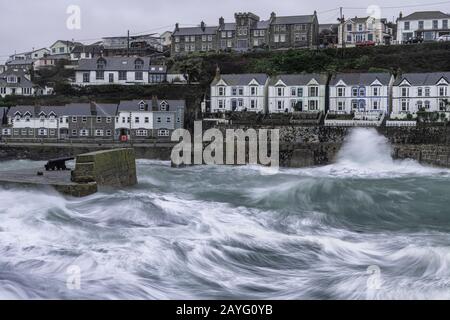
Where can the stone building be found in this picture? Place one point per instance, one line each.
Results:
(248, 32)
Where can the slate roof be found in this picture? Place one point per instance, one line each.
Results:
(195, 31)
(242, 79)
(230, 26)
(423, 79)
(358, 20)
(133, 105)
(299, 79)
(67, 42)
(106, 109)
(115, 64)
(93, 48)
(20, 62)
(426, 15)
(360, 78)
(294, 19)
(72, 109)
(263, 24)
(24, 82)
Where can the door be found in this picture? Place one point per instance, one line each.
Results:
(111, 78)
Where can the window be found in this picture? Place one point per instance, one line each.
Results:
(441, 105)
(204, 38)
(108, 120)
(375, 105)
(282, 38)
(406, 25)
(52, 132)
(221, 104)
(444, 24)
(293, 92)
(84, 132)
(341, 105)
(74, 132)
(168, 120)
(354, 104)
(138, 75)
(280, 105)
(241, 103)
(122, 75)
(86, 77)
(313, 105)
(210, 38)
(23, 132)
(84, 119)
(108, 133)
(253, 104)
(313, 91)
(142, 133)
(280, 92)
(435, 24)
(163, 133)
(253, 90)
(30, 132)
(138, 64)
(442, 91)
(99, 119)
(136, 119)
(300, 92)
(362, 92)
(404, 105)
(349, 27)
(163, 106)
(419, 92)
(221, 91)
(427, 91)
(241, 91)
(99, 133)
(177, 39)
(420, 24)
(419, 105)
(16, 132)
(376, 91)
(233, 91)
(74, 119)
(405, 92)
(341, 92)
(158, 119)
(427, 104)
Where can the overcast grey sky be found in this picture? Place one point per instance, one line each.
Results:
(27, 24)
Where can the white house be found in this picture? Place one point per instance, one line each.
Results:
(63, 47)
(363, 30)
(360, 92)
(414, 92)
(239, 92)
(149, 118)
(428, 25)
(297, 92)
(119, 70)
(17, 82)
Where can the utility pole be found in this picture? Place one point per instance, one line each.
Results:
(128, 43)
(342, 20)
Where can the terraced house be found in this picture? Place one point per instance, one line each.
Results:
(248, 32)
(414, 92)
(360, 92)
(297, 92)
(143, 119)
(239, 92)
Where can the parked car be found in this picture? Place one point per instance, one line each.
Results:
(365, 44)
(414, 40)
(443, 38)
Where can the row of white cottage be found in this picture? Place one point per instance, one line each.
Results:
(341, 93)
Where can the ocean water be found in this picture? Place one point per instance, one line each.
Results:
(366, 227)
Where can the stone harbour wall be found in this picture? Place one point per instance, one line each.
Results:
(115, 168)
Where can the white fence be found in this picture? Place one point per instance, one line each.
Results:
(355, 123)
(393, 123)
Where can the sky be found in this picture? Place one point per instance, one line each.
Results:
(28, 24)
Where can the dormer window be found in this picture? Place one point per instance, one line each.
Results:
(138, 64)
(142, 106)
(101, 64)
(163, 106)
(11, 79)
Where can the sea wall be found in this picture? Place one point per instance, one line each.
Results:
(115, 168)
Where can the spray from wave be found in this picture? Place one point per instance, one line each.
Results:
(210, 232)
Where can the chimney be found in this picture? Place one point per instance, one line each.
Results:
(217, 77)
(400, 16)
(154, 103)
(37, 109)
(93, 107)
(177, 26)
(203, 26)
(272, 16)
(221, 22)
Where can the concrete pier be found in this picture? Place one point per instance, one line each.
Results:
(113, 168)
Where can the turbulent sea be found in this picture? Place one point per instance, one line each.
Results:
(366, 227)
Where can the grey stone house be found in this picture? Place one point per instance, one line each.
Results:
(248, 32)
(87, 121)
(294, 31)
(194, 39)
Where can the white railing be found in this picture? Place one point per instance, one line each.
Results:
(376, 122)
(393, 123)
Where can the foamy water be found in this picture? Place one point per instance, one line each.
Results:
(231, 232)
